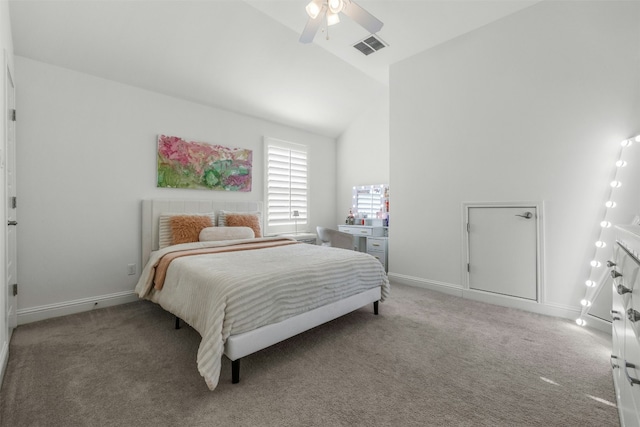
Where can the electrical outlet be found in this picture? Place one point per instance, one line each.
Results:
(131, 269)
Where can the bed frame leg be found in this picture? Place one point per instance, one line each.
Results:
(235, 371)
(177, 322)
(375, 308)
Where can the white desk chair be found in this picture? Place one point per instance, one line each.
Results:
(335, 238)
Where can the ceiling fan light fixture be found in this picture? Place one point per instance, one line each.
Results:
(332, 18)
(331, 9)
(313, 9)
(336, 6)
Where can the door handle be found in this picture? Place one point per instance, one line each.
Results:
(12, 223)
(621, 289)
(632, 380)
(526, 215)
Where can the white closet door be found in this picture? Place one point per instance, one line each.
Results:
(502, 244)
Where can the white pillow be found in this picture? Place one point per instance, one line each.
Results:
(212, 234)
(164, 230)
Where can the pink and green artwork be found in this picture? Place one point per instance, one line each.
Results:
(198, 165)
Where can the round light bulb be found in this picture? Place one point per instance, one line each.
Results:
(637, 138)
(335, 6)
(600, 244)
(313, 9)
(621, 163)
(590, 284)
(605, 224)
(610, 204)
(580, 322)
(595, 263)
(585, 303)
(627, 142)
(615, 184)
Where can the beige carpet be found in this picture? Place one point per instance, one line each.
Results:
(428, 359)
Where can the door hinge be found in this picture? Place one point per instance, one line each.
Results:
(468, 268)
(468, 227)
(14, 202)
(13, 115)
(15, 289)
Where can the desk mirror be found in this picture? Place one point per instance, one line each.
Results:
(371, 201)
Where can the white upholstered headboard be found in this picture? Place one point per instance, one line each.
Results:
(151, 210)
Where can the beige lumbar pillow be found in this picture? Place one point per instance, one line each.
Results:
(212, 234)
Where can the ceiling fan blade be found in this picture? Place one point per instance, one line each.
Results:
(311, 28)
(362, 17)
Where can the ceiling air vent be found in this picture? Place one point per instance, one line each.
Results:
(370, 45)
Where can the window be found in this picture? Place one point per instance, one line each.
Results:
(286, 186)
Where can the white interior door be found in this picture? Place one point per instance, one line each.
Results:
(502, 250)
(12, 211)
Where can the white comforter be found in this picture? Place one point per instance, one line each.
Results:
(230, 293)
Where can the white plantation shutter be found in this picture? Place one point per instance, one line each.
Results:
(287, 186)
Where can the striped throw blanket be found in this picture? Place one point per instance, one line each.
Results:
(230, 292)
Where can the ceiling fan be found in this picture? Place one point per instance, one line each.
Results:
(318, 9)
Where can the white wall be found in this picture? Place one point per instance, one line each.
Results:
(6, 46)
(363, 155)
(531, 107)
(87, 157)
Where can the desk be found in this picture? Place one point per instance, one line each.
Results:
(369, 239)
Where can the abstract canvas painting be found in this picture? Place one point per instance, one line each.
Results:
(198, 165)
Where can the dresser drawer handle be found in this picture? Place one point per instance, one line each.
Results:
(375, 244)
(363, 231)
(614, 365)
(632, 380)
(623, 289)
(615, 274)
(611, 264)
(633, 315)
(613, 315)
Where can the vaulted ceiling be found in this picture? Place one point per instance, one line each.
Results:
(243, 55)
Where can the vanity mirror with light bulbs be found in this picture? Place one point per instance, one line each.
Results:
(368, 220)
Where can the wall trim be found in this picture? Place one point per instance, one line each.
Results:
(34, 314)
(564, 312)
(43, 312)
(598, 323)
(4, 359)
(447, 288)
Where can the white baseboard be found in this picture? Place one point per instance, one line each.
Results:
(599, 324)
(447, 288)
(33, 314)
(570, 313)
(4, 359)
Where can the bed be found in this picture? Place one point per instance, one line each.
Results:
(245, 294)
